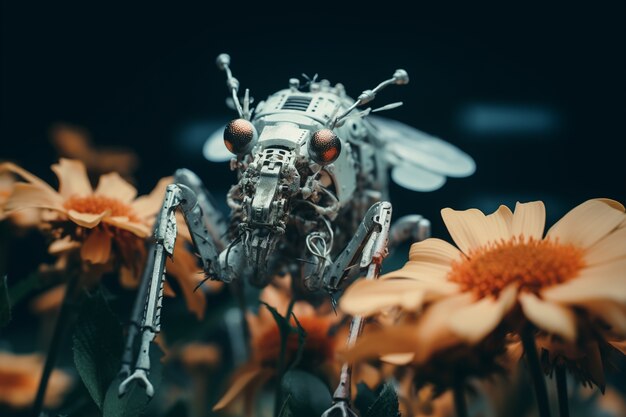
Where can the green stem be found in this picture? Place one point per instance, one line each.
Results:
(66, 316)
(459, 400)
(561, 388)
(539, 382)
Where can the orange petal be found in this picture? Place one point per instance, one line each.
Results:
(87, 220)
(529, 220)
(398, 358)
(551, 317)
(421, 271)
(114, 186)
(615, 204)
(238, 386)
(73, 180)
(611, 313)
(11, 167)
(48, 301)
(471, 229)
(435, 251)
(184, 268)
(97, 247)
(605, 281)
(609, 248)
(478, 319)
(369, 297)
(149, 205)
(586, 224)
(33, 196)
(140, 229)
(62, 245)
(128, 277)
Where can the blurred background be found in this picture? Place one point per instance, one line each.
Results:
(534, 92)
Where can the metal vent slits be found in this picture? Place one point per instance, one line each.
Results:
(300, 103)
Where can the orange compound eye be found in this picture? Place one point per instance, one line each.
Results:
(324, 147)
(238, 135)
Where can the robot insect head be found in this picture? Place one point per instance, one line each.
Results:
(295, 169)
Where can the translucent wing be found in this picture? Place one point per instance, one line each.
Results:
(214, 149)
(407, 146)
(415, 178)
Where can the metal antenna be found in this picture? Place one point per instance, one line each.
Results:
(223, 63)
(400, 77)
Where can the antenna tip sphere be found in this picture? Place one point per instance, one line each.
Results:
(324, 147)
(401, 77)
(222, 61)
(238, 135)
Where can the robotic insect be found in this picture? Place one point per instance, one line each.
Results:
(310, 200)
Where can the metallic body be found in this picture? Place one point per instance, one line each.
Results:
(292, 209)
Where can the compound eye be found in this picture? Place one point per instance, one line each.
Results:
(324, 147)
(238, 135)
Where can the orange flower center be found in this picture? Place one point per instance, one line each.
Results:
(532, 264)
(96, 204)
(318, 345)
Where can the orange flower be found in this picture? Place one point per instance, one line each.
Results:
(505, 266)
(23, 218)
(106, 221)
(265, 343)
(19, 380)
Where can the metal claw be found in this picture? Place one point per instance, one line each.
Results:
(142, 377)
(340, 409)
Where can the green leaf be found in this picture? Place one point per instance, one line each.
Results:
(365, 397)
(386, 405)
(134, 402)
(301, 341)
(24, 287)
(98, 346)
(285, 409)
(306, 395)
(5, 303)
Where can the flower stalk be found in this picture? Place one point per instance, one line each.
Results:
(539, 382)
(561, 388)
(67, 315)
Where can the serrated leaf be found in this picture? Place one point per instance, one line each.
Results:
(5, 303)
(386, 405)
(306, 395)
(98, 346)
(134, 402)
(365, 397)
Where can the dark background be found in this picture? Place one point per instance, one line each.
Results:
(534, 92)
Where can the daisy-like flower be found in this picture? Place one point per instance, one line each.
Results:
(104, 223)
(19, 380)
(265, 341)
(504, 268)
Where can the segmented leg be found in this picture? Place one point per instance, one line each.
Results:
(372, 255)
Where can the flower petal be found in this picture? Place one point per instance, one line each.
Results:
(33, 196)
(62, 245)
(97, 247)
(149, 205)
(586, 224)
(610, 312)
(471, 229)
(139, 229)
(604, 281)
(434, 251)
(369, 297)
(609, 248)
(420, 271)
(184, 267)
(33, 179)
(114, 186)
(398, 358)
(238, 386)
(529, 220)
(73, 180)
(551, 317)
(615, 204)
(478, 319)
(87, 220)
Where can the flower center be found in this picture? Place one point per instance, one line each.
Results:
(532, 264)
(318, 345)
(96, 204)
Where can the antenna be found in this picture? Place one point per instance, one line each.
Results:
(400, 77)
(223, 63)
